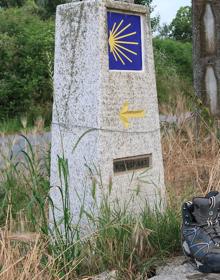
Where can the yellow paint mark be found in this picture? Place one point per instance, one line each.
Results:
(115, 56)
(126, 35)
(116, 48)
(113, 28)
(125, 114)
(111, 41)
(126, 42)
(118, 27)
(123, 29)
(118, 55)
(126, 49)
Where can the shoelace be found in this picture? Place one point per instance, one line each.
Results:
(213, 230)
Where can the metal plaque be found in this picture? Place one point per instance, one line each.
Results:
(132, 163)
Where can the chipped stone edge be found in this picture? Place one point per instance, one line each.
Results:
(114, 5)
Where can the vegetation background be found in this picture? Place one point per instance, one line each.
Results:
(27, 51)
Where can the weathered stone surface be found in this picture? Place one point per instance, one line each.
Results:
(206, 52)
(179, 269)
(88, 97)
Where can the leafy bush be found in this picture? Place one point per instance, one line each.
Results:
(26, 55)
(173, 64)
(25, 42)
(178, 53)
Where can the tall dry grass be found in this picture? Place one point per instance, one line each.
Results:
(21, 255)
(123, 243)
(27, 255)
(191, 152)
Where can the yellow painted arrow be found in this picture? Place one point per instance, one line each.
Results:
(125, 114)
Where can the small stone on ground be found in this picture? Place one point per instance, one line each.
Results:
(107, 276)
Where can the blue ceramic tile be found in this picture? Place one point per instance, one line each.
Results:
(124, 41)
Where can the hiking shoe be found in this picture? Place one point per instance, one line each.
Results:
(201, 232)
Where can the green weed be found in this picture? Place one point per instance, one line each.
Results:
(120, 240)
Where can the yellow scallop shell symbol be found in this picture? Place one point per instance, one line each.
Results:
(117, 43)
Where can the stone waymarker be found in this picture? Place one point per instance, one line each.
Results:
(206, 52)
(105, 90)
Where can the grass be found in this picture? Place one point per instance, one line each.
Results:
(10, 126)
(22, 125)
(173, 65)
(120, 241)
(129, 244)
